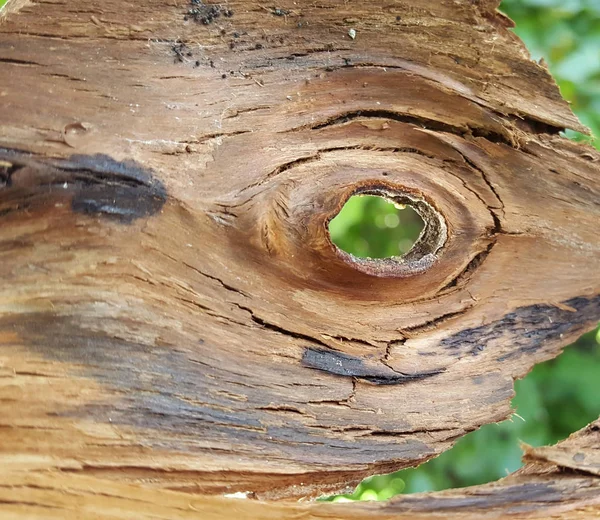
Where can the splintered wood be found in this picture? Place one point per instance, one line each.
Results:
(175, 322)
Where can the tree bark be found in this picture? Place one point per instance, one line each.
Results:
(173, 314)
(557, 482)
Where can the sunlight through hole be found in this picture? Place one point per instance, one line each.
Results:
(369, 226)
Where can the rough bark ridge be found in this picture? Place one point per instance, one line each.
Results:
(172, 311)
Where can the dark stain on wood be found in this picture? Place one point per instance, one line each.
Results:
(97, 185)
(527, 328)
(351, 366)
(170, 391)
(521, 497)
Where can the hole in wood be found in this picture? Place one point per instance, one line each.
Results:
(385, 231)
(369, 226)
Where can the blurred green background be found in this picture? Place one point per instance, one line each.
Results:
(370, 226)
(560, 396)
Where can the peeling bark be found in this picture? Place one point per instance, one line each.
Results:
(173, 314)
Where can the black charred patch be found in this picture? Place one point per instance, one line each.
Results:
(182, 52)
(280, 12)
(527, 329)
(183, 392)
(350, 366)
(206, 14)
(95, 185)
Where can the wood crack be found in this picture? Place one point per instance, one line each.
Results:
(474, 166)
(217, 279)
(470, 268)
(435, 323)
(418, 121)
(14, 61)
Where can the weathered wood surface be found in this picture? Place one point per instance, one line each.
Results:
(172, 312)
(558, 482)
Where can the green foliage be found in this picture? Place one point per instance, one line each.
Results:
(560, 396)
(378, 487)
(370, 226)
(566, 33)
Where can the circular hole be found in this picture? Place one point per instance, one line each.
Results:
(384, 241)
(372, 226)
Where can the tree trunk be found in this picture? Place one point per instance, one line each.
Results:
(173, 314)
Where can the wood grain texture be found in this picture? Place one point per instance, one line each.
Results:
(173, 314)
(544, 488)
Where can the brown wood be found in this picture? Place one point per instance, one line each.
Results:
(173, 315)
(558, 482)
